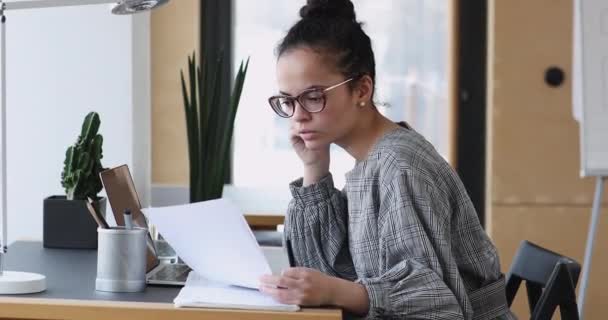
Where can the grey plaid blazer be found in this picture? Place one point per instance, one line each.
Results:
(403, 227)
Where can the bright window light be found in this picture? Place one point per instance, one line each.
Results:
(411, 68)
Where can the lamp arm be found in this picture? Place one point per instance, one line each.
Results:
(34, 4)
(3, 194)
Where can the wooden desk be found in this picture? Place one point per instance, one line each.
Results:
(55, 309)
(264, 221)
(71, 293)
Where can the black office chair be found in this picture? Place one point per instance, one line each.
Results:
(550, 281)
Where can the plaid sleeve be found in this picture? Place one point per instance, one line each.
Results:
(411, 282)
(316, 224)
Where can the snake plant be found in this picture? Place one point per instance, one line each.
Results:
(209, 124)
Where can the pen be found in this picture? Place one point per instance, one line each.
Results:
(292, 262)
(128, 219)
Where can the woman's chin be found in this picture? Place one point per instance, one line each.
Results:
(314, 145)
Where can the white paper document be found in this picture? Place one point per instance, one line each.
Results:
(214, 239)
(590, 84)
(200, 292)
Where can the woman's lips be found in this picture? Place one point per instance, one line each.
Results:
(308, 134)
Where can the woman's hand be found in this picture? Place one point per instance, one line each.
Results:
(316, 161)
(309, 287)
(310, 157)
(301, 286)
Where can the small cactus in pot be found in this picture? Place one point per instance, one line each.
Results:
(80, 176)
(67, 222)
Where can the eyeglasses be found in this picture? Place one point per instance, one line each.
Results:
(312, 100)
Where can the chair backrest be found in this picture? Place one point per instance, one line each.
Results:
(550, 281)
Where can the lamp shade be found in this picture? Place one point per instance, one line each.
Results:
(135, 6)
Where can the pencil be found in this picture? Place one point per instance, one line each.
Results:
(101, 222)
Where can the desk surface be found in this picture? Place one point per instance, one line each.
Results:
(264, 220)
(71, 293)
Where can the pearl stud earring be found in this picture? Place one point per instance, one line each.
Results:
(362, 104)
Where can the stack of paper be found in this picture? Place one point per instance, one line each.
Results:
(214, 239)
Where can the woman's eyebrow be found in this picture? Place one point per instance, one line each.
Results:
(309, 88)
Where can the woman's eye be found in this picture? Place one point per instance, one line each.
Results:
(286, 103)
(314, 97)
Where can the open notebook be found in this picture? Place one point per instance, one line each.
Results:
(214, 239)
(201, 292)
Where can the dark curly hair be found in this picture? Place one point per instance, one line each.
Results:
(331, 28)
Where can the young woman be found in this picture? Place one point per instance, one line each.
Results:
(402, 240)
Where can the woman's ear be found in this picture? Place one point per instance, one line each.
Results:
(365, 89)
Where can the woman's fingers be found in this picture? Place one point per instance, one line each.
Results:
(293, 133)
(300, 286)
(279, 281)
(287, 296)
(295, 272)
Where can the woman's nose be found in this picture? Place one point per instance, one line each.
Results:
(299, 113)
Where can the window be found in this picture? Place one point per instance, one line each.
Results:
(411, 84)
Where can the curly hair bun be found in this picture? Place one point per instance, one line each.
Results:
(333, 9)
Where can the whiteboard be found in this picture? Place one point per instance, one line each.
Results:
(590, 84)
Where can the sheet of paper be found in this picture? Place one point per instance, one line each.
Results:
(214, 239)
(590, 89)
(200, 292)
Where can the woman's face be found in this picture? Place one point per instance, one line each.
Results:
(301, 69)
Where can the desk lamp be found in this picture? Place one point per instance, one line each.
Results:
(14, 282)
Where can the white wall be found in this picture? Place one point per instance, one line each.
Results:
(61, 64)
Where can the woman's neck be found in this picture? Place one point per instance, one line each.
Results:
(359, 142)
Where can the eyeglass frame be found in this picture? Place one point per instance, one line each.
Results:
(297, 98)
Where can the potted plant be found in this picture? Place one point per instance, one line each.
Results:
(209, 125)
(66, 221)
